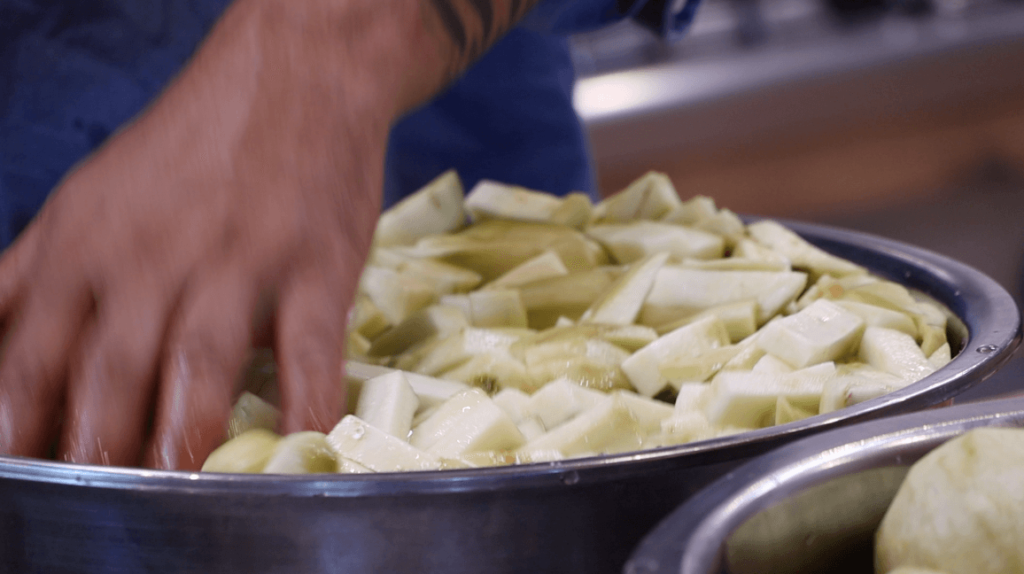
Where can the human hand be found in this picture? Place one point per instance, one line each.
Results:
(132, 299)
(242, 203)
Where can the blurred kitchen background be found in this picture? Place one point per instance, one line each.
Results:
(903, 118)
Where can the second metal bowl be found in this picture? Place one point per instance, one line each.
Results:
(812, 506)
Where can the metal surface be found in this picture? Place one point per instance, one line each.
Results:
(627, 73)
(719, 98)
(812, 506)
(582, 515)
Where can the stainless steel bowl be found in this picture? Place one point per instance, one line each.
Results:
(811, 506)
(581, 515)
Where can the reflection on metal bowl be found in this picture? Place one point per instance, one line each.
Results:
(582, 515)
(812, 506)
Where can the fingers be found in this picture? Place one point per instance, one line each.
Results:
(310, 335)
(206, 350)
(14, 265)
(112, 380)
(34, 365)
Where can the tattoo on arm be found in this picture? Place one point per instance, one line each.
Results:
(473, 26)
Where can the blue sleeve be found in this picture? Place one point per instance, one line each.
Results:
(71, 72)
(510, 119)
(668, 18)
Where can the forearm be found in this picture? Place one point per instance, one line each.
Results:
(278, 83)
(398, 53)
(469, 27)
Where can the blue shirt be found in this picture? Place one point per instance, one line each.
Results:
(72, 71)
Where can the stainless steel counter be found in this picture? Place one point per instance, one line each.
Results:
(737, 47)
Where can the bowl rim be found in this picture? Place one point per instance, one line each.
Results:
(988, 311)
(691, 539)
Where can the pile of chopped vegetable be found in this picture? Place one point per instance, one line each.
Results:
(510, 326)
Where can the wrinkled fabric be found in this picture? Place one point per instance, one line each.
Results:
(495, 125)
(73, 71)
